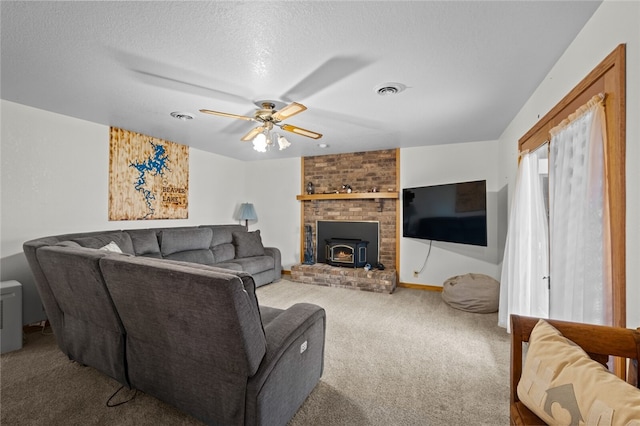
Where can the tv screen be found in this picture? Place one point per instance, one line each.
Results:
(455, 212)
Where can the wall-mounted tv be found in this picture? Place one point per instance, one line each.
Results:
(455, 212)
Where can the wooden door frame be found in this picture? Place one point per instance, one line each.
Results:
(609, 78)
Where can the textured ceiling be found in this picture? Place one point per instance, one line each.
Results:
(468, 67)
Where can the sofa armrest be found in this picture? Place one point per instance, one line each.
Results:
(291, 368)
(285, 329)
(277, 259)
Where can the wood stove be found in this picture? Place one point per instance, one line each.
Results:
(349, 252)
(347, 230)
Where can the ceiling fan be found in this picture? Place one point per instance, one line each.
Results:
(268, 117)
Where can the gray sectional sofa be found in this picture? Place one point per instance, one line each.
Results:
(173, 312)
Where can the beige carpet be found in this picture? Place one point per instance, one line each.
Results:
(400, 359)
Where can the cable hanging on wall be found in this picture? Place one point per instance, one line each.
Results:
(416, 273)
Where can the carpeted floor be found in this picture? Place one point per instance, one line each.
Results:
(400, 359)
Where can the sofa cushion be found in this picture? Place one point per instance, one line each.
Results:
(204, 291)
(92, 331)
(221, 235)
(68, 243)
(204, 257)
(122, 239)
(561, 384)
(184, 239)
(224, 252)
(248, 244)
(268, 314)
(255, 264)
(145, 242)
(229, 265)
(247, 280)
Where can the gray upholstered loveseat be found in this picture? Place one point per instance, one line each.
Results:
(186, 332)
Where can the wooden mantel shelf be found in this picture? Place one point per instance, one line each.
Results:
(347, 196)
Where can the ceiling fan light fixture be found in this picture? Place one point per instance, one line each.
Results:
(283, 143)
(268, 117)
(260, 142)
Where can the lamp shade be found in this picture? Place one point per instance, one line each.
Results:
(247, 212)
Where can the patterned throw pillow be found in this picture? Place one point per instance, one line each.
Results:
(562, 385)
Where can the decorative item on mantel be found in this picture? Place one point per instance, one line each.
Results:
(310, 188)
(346, 188)
(247, 213)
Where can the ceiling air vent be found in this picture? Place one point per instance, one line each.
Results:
(388, 89)
(184, 116)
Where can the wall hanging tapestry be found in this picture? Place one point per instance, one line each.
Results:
(148, 177)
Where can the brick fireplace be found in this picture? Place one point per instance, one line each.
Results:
(353, 187)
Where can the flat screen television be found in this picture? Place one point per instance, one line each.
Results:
(455, 212)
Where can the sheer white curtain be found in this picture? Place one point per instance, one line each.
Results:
(578, 218)
(523, 286)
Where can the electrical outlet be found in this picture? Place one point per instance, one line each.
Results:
(416, 273)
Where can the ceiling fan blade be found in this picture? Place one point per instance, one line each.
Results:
(252, 133)
(301, 131)
(226, 114)
(187, 87)
(237, 127)
(290, 110)
(330, 72)
(176, 78)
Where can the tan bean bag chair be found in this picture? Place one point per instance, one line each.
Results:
(472, 293)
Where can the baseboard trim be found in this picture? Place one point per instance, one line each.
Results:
(421, 287)
(286, 272)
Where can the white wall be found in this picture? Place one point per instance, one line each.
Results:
(613, 23)
(55, 180)
(272, 186)
(434, 165)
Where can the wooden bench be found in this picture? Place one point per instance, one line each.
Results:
(598, 341)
